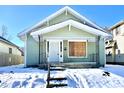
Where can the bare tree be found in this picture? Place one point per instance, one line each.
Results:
(4, 32)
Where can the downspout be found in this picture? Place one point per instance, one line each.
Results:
(39, 47)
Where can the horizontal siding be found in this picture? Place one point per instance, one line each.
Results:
(4, 48)
(64, 32)
(62, 17)
(32, 51)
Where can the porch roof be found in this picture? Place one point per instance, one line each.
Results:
(69, 23)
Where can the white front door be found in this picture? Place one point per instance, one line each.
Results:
(54, 51)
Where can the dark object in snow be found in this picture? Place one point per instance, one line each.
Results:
(106, 74)
(0, 81)
(36, 76)
(12, 72)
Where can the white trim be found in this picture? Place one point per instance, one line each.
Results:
(89, 39)
(104, 52)
(82, 17)
(66, 12)
(69, 28)
(72, 23)
(53, 40)
(77, 41)
(25, 55)
(58, 13)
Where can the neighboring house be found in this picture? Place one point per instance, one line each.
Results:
(115, 46)
(66, 37)
(10, 54)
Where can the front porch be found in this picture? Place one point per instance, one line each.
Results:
(68, 47)
(73, 65)
(62, 58)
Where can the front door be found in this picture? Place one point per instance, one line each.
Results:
(53, 50)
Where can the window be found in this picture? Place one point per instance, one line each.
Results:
(48, 46)
(119, 51)
(118, 31)
(60, 46)
(109, 53)
(10, 50)
(77, 49)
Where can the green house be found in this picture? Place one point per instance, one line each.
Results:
(64, 37)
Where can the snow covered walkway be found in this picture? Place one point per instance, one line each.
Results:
(20, 77)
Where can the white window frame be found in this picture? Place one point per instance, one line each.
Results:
(77, 56)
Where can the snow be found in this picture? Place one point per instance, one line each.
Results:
(19, 77)
(72, 23)
(116, 69)
(58, 13)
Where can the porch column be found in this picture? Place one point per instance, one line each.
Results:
(113, 53)
(97, 51)
(39, 48)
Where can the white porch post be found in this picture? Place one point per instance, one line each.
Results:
(25, 55)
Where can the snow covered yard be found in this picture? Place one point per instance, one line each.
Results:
(115, 69)
(20, 77)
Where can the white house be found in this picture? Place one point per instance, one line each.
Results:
(115, 46)
(10, 53)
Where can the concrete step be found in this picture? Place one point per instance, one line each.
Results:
(73, 65)
(58, 79)
(57, 69)
(56, 85)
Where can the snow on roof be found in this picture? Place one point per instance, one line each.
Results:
(66, 8)
(72, 23)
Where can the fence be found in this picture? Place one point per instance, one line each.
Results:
(10, 59)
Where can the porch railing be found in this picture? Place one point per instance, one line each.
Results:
(44, 58)
(93, 57)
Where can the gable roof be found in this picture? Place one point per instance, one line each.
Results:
(72, 23)
(116, 25)
(9, 43)
(66, 8)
